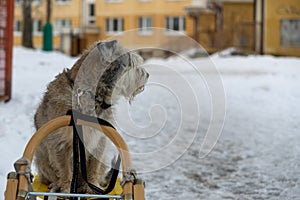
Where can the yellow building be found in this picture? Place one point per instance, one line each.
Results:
(238, 26)
(65, 15)
(144, 19)
(263, 26)
(281, 32)
(140, 23)
(90, 20)
(137, 23)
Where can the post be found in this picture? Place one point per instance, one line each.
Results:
(9, 47)
(196, 28)
(47, 37)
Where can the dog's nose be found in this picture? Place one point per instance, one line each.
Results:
(147, 74)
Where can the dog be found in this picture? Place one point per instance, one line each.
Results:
(105, 72)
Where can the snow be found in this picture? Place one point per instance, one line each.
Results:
(174, 123)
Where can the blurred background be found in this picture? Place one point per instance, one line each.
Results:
(261, 26)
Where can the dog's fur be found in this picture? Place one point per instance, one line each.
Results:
(102, 74)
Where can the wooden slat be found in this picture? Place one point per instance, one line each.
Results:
(11, 186)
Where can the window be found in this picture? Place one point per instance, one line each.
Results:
(61, 23)
(290, 33)
(114, 25)
(113, 1)
(37, 26)
(62, 1)
(145, 25)
(91, 13)
(17, 26)
(175, 24)
(36, 1)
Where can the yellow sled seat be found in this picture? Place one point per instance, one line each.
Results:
(38, 186)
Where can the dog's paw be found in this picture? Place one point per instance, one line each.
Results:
(65, 186)
(54, 187)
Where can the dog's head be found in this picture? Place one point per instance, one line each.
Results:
(123, 75)
(107, 71)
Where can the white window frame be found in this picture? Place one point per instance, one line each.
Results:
(113, 1)
(61, 23)
(91, 20)
(289, 33)
(17, 2)
(110, 25)
(36, 2)
(63, 2)
(170, 30)
(17, 31)
(144, 29)
(35, 26)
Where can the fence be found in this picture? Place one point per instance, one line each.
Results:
(6, 43)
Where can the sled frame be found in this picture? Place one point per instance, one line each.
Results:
(18, 185)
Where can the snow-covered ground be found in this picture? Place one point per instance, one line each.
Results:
(183, 105)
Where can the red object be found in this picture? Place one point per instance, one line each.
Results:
(6, 45)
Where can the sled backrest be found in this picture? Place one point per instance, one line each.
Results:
(18, 184)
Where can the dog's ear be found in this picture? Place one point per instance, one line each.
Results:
(111, 52)
(124, 60)
(107, 49)
(129, 60)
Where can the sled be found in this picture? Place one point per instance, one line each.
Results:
(19, 182)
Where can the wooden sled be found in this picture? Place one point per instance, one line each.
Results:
(19, 182)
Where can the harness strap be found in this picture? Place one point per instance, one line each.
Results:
(78, 144)
(74, 182)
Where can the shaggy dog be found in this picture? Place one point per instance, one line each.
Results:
(104, 73)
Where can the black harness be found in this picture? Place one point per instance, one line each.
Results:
(79, 157)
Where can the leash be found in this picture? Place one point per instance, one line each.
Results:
(79, 153)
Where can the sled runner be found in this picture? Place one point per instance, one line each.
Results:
(19, 183)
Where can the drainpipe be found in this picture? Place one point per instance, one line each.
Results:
(262, 41)
(47, 30)
(259, 26)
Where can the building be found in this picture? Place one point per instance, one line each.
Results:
(79, 23)
(262, 26)
(224, 23)
(66, 18)
(278, 31)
